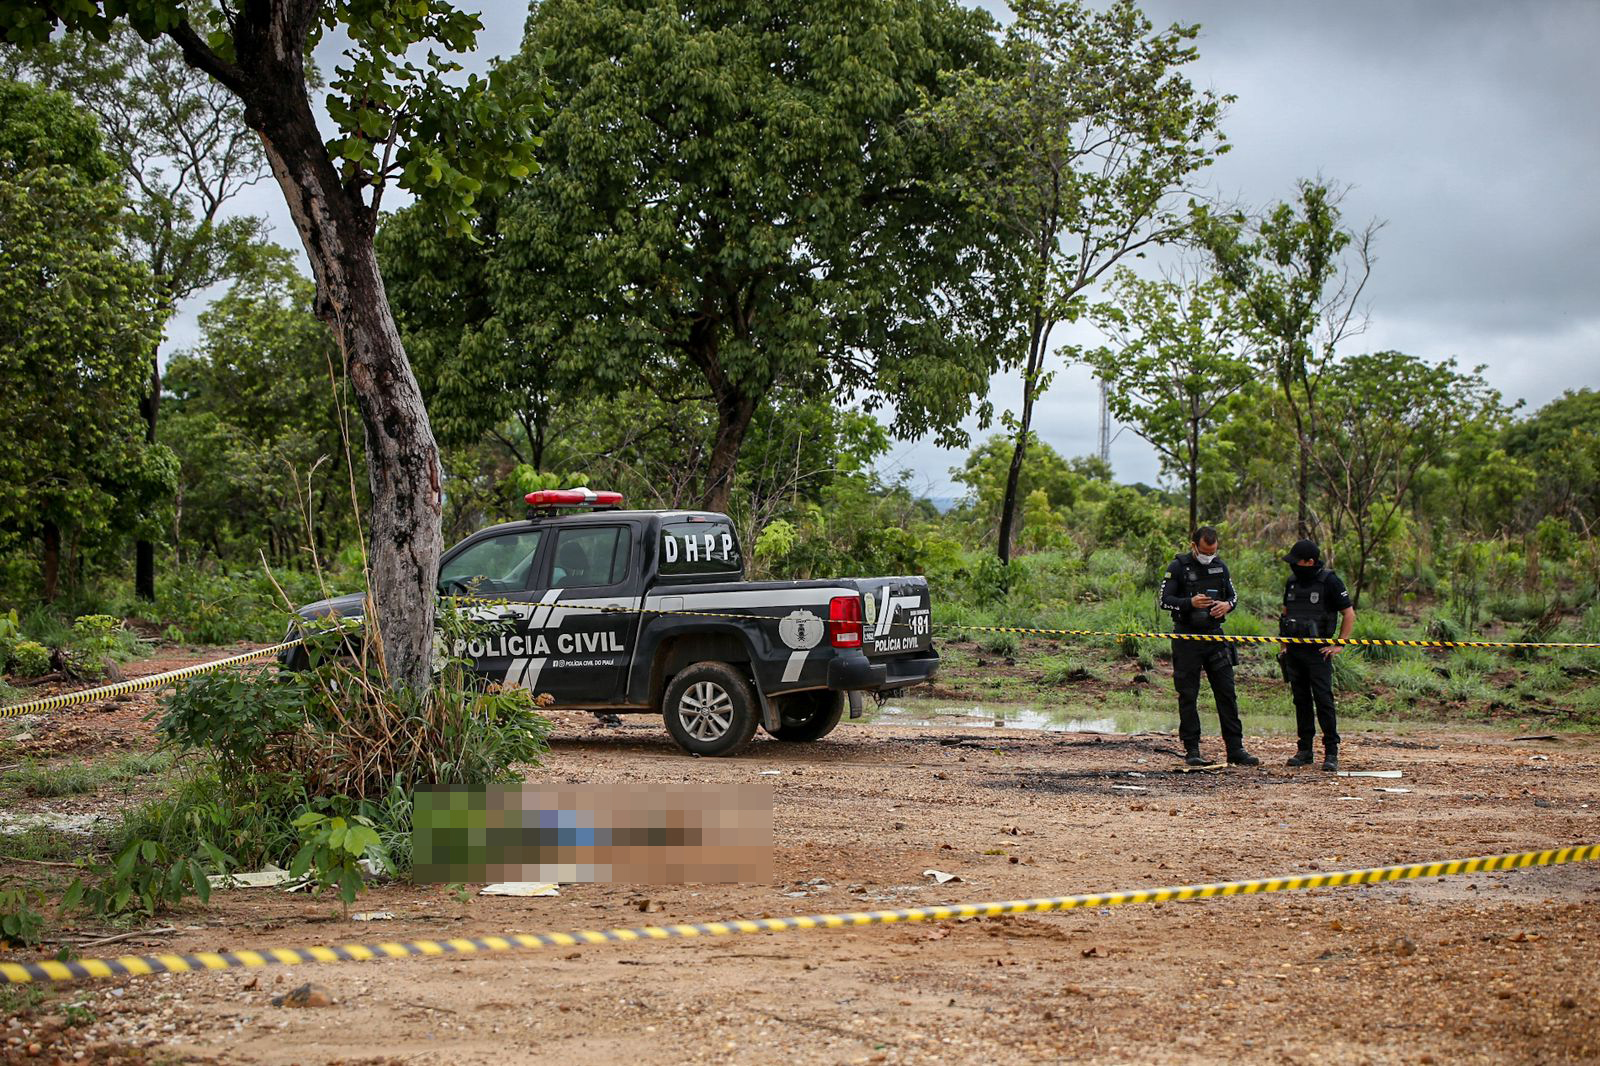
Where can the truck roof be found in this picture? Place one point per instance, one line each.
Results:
(602, 517)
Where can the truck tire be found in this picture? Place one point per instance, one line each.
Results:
(710, 710)
(808, 716)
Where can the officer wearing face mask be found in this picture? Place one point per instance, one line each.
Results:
(1198, 593)
(1315, 603)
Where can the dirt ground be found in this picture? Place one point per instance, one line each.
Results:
(1490, 968)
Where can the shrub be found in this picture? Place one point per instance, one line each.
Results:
(1350, 673)
(1000, 644)
(1414, 678)
(1069, 668)
(29, 658)
(98, 640)
(1373, 626)
(10, 633)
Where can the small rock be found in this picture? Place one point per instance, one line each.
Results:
(1542, 803)
(307, 995)
(1404, 945)
(1569, 1003)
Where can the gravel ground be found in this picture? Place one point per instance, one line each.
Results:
(1490, 968)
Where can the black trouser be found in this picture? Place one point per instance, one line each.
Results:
(1189, 658)
(1310, 677)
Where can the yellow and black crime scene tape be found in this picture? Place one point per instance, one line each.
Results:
(139, 684)
(136, 965)
(1229, 638)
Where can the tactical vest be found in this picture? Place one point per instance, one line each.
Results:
(1307, 609)
(1195, 577)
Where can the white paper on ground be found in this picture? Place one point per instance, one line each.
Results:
(940, 876)
(1370, 773)
(268, 876)
(521, 888)
(1393, 791)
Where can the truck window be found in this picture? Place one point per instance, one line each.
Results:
(498, 564)
(706, 548)
(589, 557)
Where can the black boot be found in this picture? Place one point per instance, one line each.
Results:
(1330, 758)
(1192, 756)
(1303, 757)
(1240, 757)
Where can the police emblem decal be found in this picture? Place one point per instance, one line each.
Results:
(872, 609)
(801, 630)
(1315, 596)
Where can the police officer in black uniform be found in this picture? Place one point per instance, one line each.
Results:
(1198, 592)
(1315, 602)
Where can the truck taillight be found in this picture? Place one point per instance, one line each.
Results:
(844, 621)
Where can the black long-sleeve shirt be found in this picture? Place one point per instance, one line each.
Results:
(1186, 578)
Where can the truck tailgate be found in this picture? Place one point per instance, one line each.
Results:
(897, 616)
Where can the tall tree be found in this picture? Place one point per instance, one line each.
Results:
(1300, 275)
(258, 426)
(394, 122)
(77, 314)
(1385, 417)
(180, 140)
(1088, 141)
(1180, 351)
(733, 198)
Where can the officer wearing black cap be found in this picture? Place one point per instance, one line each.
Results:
(1198, 592)
(1315, 603)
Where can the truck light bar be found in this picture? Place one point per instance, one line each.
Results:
(580, 497)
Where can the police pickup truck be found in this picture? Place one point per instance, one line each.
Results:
(622, 611)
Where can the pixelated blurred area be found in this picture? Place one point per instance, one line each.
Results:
(618, 833)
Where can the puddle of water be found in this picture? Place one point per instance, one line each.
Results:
(925, 712)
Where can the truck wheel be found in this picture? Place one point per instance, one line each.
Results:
(710, 710)
(808, 716)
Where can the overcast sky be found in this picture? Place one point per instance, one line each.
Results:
(1470, 127)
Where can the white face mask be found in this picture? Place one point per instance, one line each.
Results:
(1204, 560)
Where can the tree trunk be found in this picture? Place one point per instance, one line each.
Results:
(403, 468)
(52, 561)
(735, 410)
(144, 551)
(1039, 338)
(736, 407)
(1194, 502)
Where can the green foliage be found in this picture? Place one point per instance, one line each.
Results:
(21, 918)
(46, 129)
(1000, 644)
(76, 778)
(335, 730)
(75, 469)
(1082, 139)
(257, 415)
(731, 228)
(1373, 626)
(1179, 354)
(29, 659)
(331, 850)
(146, 876)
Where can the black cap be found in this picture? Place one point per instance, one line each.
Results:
(1302, 550)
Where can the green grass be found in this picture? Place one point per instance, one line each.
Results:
(77, 778)
(44, 844)
(1070, 667)
(1414, 678)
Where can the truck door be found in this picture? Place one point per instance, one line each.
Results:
(591, 568)
(497, 567)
